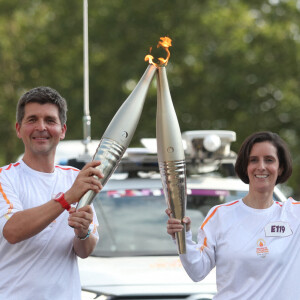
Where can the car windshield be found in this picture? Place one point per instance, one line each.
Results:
(133, 222)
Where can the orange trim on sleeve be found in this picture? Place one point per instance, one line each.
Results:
(5, 197)
(9, 166)
(211, 215)
(294, 201)
(62, 168)
(3, 193)
(204, 244)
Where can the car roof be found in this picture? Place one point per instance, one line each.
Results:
(196, 182)
(141, 163)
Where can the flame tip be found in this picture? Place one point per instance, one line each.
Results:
(165, 43)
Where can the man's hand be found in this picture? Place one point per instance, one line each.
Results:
(84, 182)
(174, 225)
(80, 220)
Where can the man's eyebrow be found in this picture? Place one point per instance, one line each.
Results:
(31, 116)
(47, 116)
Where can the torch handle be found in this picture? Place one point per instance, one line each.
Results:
(174, 185)
(109, 153)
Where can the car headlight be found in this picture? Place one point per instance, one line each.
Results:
(88, 295)
(103, 297)
(85, 295)
(200, 297)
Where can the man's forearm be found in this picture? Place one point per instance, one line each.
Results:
(29, 222)
(83, 248)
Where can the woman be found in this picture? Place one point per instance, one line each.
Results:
(253, 242)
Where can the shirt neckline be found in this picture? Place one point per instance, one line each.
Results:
(35, 172)
(258, 210)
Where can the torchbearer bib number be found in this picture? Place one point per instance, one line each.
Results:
(280, 229)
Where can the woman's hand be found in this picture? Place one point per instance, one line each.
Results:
(175, 225)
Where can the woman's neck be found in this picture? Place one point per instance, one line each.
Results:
(259, 200)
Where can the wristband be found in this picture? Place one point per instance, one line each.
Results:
(85, 237)
(60, 197)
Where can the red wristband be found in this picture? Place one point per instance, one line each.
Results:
(60, 197)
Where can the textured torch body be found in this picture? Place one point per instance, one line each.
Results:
(170, 154)
(119, 133)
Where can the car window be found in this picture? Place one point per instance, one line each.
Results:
(133, 222)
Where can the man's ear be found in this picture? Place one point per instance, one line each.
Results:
(18, 127)
(63, 132)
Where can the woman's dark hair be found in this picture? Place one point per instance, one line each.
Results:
(283, 153)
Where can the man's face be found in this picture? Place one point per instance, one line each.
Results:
(41, 129)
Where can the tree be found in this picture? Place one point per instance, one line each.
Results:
(234, 63)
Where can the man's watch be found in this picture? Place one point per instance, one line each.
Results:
(60, 197)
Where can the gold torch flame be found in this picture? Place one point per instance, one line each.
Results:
(165, 43)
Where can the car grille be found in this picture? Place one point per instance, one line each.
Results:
(165, 297)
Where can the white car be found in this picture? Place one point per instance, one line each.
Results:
(135, 257)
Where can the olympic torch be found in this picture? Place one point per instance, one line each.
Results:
(119, 133)
(170, 154)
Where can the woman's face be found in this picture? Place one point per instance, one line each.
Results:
(263, 167)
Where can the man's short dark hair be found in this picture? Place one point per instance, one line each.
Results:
(283, 153)
(42, 95)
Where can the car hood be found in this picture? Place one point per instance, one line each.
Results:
(141, 276)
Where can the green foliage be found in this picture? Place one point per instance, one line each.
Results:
(234, 63)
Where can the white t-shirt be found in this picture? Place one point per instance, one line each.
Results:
(44, 266)
(256, 251)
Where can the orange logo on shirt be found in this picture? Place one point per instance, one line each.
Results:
(261, 248)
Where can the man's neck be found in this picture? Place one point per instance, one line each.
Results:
(40, 163)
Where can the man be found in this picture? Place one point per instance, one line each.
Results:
(41, 234)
